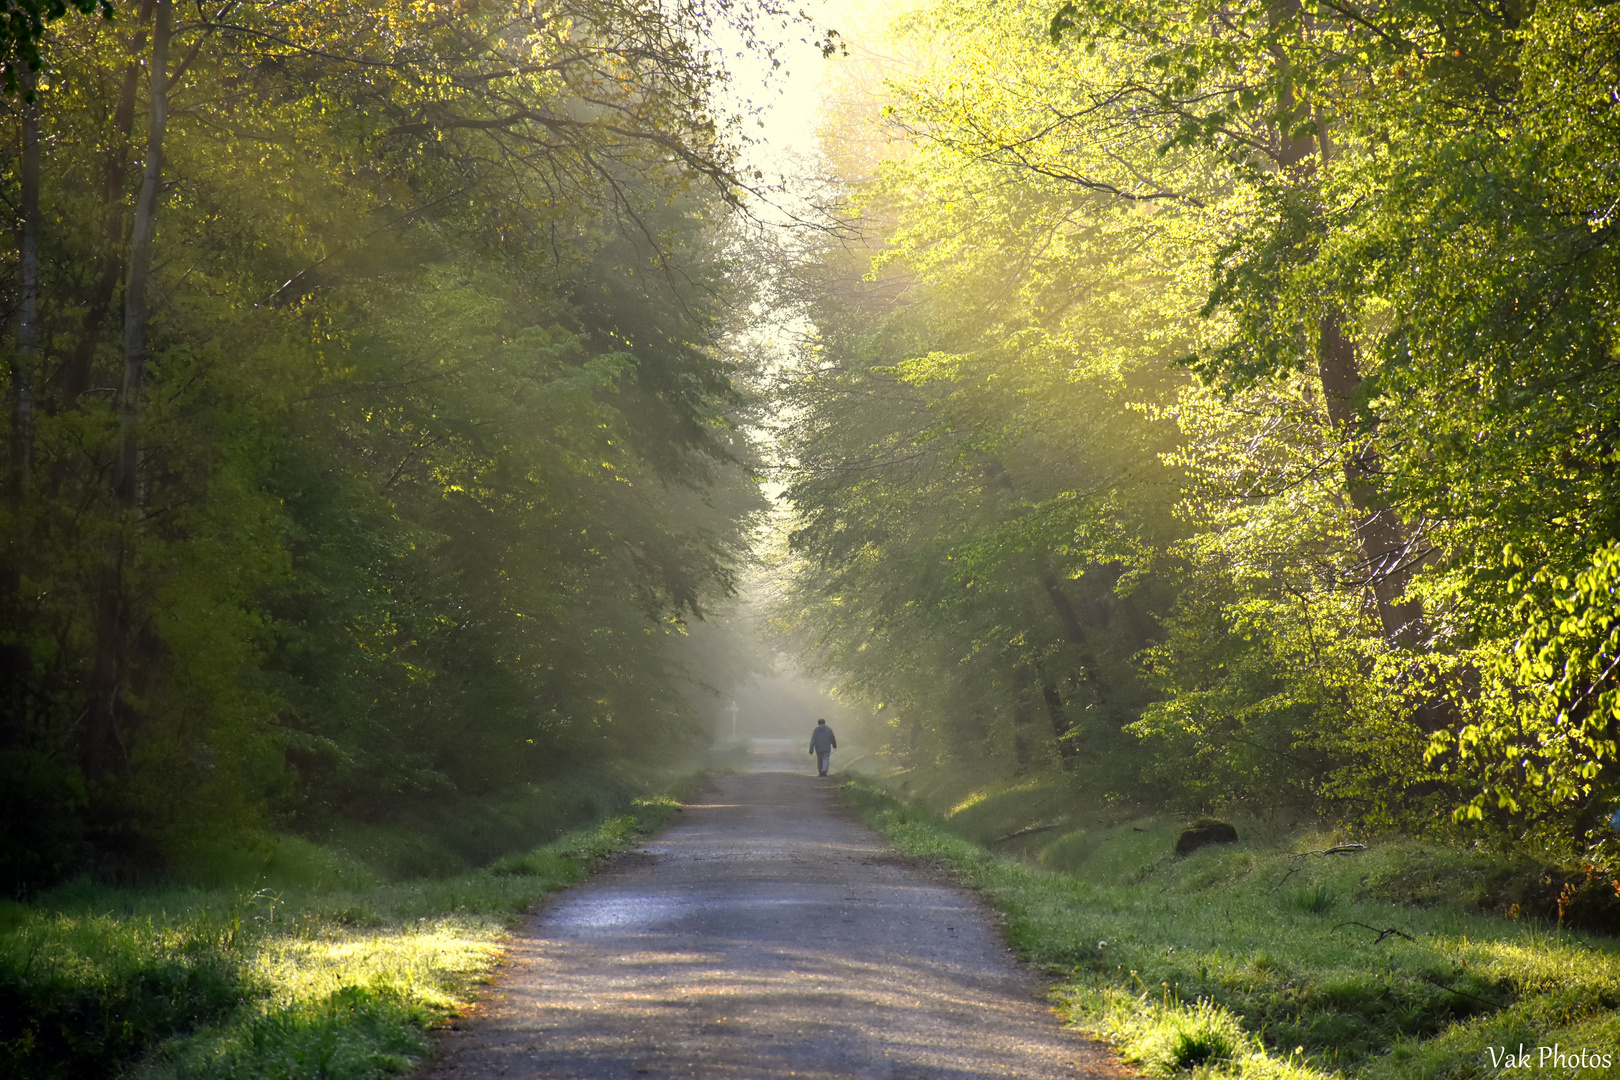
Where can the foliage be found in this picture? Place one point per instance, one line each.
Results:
(1540, 731)
(966, 467)
(1286, 328)
(22, 26)
(437, 433)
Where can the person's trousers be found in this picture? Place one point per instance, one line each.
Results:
(823, 761)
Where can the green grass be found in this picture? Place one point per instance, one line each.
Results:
(1251, 961)
(331, 973)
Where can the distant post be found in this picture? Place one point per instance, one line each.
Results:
(733, 711)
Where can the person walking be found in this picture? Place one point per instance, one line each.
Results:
(822, 743)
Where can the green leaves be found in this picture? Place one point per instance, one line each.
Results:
(23, 24)
(1380, 236)
(438, 452)
(1543, 730)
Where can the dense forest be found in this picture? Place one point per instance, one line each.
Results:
(1216, 405)
(1212, 405)
(372, 431)
(423, 416)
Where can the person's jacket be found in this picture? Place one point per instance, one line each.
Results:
(822, 739)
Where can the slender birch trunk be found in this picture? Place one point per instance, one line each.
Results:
(75, 373)
(140, 260)
(103, 738)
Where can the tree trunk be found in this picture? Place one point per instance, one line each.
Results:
(16, 660)
(78, 367)
(22, 369)
(1061, 606)
(1385, 548)
(107, 675)
(1023, 748)
(1068, 621)
(102, 745)
(140, 261)
(1059, 718)
(1073, 630)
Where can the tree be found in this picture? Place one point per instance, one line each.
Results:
(1374, 231)
(23, 24)
(420, 448)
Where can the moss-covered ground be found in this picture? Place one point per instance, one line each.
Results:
(1261, 959)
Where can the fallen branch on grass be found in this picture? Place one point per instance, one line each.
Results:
(1432, 981)
(1285, 877)
(1336, 849)
(1031, 831)
(1382, 934)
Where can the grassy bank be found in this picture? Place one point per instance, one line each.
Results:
(319, 966)
(1260, 960)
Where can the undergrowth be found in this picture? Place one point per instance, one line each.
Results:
(339, 977)
(1257, 961)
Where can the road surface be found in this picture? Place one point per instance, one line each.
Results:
(766, 934)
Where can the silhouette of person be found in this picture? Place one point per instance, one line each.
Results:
(822, 743)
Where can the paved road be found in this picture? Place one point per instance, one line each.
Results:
(766, 934)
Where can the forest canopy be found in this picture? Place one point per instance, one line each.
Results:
(1211, 406)
(1217, 405)
(373, 434)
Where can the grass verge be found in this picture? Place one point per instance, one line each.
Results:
(341, 979)
(1260, 962)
